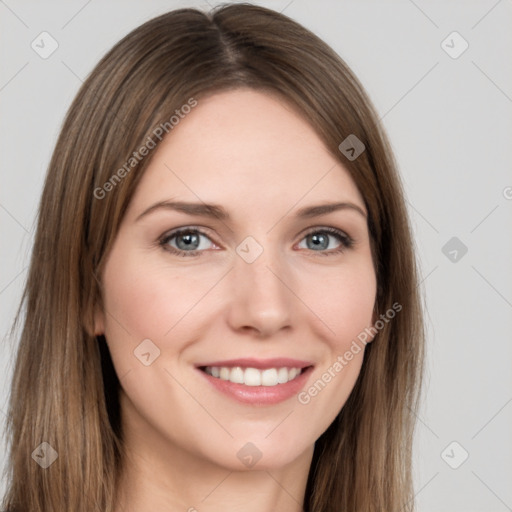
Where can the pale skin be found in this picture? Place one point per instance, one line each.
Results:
(262, 162)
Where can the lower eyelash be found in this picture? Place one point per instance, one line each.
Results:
(178, 252)
(346, 242)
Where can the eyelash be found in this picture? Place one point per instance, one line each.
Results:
(346, 242)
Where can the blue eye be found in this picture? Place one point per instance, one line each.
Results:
(320, 240)
(187, 241)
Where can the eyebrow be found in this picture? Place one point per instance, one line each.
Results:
(218, 212)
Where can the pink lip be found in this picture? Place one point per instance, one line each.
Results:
(259, 395)
(260, 364)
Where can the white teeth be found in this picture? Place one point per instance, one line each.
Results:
(269, 377)
(282, 375)
(253, 376)
(236, 375)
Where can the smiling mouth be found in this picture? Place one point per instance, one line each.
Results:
(253, 376)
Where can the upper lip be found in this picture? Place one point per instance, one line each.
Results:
(262, 364)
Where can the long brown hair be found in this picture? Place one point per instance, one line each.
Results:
(65, 390)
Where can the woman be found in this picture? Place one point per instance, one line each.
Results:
(222, 306)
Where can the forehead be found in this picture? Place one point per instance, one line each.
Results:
(244, 147)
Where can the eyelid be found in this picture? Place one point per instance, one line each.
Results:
(344, 238)
(347, 242)
(201, 230)
(328, 229)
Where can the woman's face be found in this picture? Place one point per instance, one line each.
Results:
(262, 282)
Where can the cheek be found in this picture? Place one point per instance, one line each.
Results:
(345, 305)
(147, 300)
(144, 299)
(344, 301)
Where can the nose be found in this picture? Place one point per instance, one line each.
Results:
(262, 300)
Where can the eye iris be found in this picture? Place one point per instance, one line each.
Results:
(191, 240)
(318, 239)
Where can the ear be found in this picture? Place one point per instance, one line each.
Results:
(94, 316)
(99, 321)
(375, 317)
(95, 324)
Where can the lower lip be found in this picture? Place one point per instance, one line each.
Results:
(259, 395)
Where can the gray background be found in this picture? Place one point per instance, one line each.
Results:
(450, 124)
